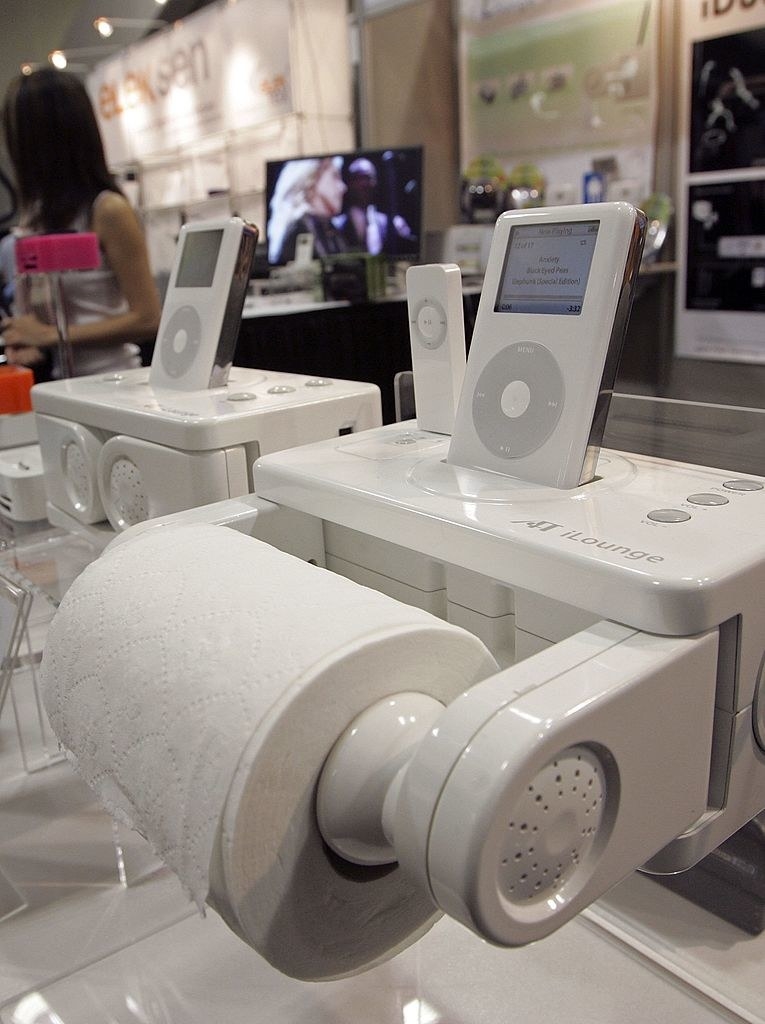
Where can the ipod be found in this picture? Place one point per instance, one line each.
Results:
(202, 311)
(548, 336)
(437, 335)
(303, 249)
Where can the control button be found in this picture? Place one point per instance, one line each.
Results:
(708, 499)
(430, 322)
(743, 485)
(406, 439)
(669, 515)
(180, 339)
(518, 399)
(113, 377)
(515, 399)
(281, 389)
(317, 382)
(241, 396)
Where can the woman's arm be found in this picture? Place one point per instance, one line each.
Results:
(121, 237)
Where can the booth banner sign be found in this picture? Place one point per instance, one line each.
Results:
(538, 78)
(223, 68)
(720, 308)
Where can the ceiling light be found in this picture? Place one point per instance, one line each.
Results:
(106, 26)
(62, 58)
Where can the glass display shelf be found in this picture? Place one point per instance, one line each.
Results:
(74, 887)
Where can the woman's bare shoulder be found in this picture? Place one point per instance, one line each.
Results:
(112, 208)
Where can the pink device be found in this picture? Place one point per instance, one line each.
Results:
(46, 254)
(40, 262)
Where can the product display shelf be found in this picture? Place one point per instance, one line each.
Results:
(717, 959)
(41, 563)
(197, 971)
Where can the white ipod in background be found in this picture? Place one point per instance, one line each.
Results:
(437, 335)
(202, 311)
(547, 340)
(303, 249)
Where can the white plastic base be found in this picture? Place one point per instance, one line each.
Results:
(22, 488)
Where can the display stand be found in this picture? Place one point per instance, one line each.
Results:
(63, 861)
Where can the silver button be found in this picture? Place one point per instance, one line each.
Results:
(708, 499)
(241, 396)
(669, 515)
(317, 382)
(281, 389)
(743, 485)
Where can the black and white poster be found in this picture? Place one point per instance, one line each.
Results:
(721, 191)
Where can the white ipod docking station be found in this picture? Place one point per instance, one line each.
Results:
(437, 335)
(202, 311)
(547, 341)
(646, 545)
(114, 447)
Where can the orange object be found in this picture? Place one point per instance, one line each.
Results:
(15, 385)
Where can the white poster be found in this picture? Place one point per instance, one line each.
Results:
(721, 187)
(226, 67)
(569, 85)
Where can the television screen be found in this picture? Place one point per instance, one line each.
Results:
(366, 201)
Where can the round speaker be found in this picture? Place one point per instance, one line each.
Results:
(126, 499)
(79, 485)
(552, 827)
(516, 841)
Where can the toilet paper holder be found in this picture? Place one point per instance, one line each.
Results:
(530, 795)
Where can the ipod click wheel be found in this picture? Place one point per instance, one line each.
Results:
(548, 337)
(437, 334)
(202, 311)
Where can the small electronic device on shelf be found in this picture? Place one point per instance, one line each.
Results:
(548, 337)
(202, 311)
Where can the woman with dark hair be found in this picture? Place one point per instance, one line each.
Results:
(63, 184)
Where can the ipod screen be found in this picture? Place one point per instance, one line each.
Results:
(546, 268)
(198, 259)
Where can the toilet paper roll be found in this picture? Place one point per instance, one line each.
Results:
(199, 678)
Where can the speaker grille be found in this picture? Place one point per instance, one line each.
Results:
(127, 494)
(553, 826)
(79, 486)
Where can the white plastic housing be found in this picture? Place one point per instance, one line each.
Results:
(202, 310)
(139, 480)
(539, 788)
(547, 340)
(277, 409)
(437, 335)
(22, 490)
(70, 458)
(218, 433)
(648, 544)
